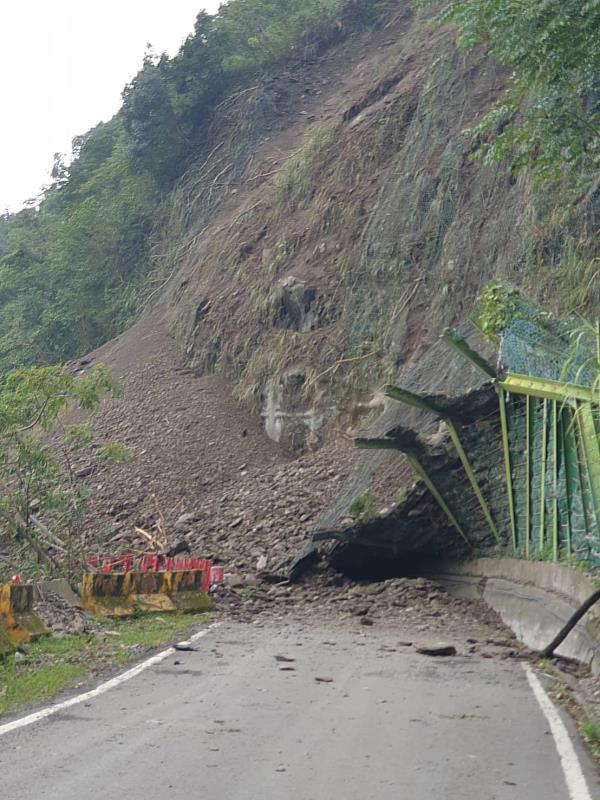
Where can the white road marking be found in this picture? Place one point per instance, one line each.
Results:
(102, 689)
(574, 777)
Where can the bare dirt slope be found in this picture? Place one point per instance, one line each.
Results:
(198, 457)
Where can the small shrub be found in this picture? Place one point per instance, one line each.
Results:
(498, 305)
(115, 453)
(363, 507)
(590, 730)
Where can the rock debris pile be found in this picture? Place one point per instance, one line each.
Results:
(200, 460)
(415, 605)
(62, 617)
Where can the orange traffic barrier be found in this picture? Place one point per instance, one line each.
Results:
(120, 594)
(19, 624)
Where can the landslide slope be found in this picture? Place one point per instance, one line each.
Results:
(332, 226)
(198, 461)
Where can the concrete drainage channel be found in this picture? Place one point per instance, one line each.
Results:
(534, 599)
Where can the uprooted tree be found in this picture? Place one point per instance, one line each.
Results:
(41, 500)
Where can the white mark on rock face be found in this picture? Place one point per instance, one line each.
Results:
(272, 413)
(277, 420)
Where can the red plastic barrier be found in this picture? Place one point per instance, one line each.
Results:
(205, 565)
(157, 563)
(217, 576)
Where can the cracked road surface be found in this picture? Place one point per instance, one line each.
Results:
(261, 713)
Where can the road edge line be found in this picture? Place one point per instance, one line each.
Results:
(44, 713)
(569, 760)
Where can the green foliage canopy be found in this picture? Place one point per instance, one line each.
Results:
(549, 116)
(167, 104)
(36, 488)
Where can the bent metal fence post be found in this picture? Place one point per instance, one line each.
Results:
(537, 489)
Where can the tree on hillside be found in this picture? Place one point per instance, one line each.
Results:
(549, 116)
(156, 142)
(89, 152)
(40, 501)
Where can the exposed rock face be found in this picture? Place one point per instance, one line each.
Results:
(288, 419)
(299, 305)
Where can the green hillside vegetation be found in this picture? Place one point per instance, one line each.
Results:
(72, 267)
(549, 116)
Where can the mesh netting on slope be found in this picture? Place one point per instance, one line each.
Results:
(554, 350)
(437, 370)
(419, 266)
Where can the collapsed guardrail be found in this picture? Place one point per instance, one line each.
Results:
(511, 466)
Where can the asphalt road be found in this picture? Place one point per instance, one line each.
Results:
(231, 722)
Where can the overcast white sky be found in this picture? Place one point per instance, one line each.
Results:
(63, 65)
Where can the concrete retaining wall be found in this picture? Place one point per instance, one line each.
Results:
(535, 599)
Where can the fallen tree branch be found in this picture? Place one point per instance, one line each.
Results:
(50, 538)
(407, 298)
(161, 527)
(236, 96)
(264, 175)
(334, 367)
(233, 222)
(548, 652)
(16, 521)
(147, 536)
(162, 286)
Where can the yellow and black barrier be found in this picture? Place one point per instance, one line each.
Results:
(120, 594)
(19, 624)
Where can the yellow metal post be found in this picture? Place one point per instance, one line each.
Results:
(555, 480)
(527, 487)
(591, 453)
(471, 476)
(420, 471)
(544, 457)
(507, 466)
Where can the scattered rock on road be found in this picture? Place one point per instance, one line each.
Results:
(437, 650)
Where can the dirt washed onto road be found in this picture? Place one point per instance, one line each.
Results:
(417, 610)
